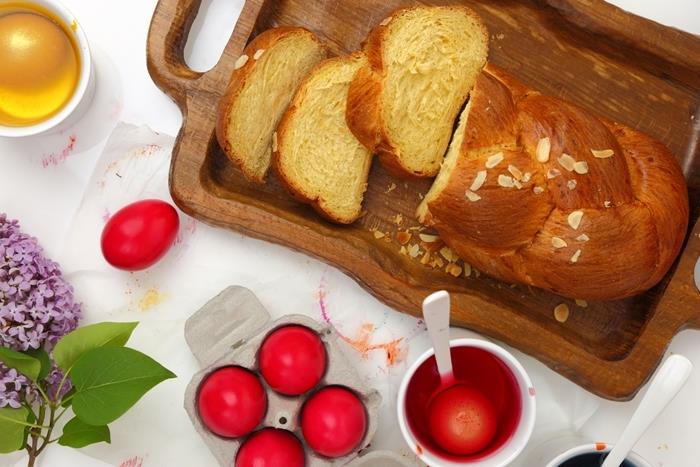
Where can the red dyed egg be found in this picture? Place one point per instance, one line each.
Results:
(462, 420)
(271, 447)
(231, 402)
(139, 234)
(292, 360)
(333, 421)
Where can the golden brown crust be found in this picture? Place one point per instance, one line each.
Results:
(363, 113)
(296, 191)
(634, 204)
(263, 41)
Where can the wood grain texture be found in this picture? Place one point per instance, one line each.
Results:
(620, 66)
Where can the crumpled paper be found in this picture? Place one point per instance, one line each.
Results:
(204, 260)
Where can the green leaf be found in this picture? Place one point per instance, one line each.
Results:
(68, 398)
(73, 345)
(43, 357)
(28, 366)
(78, 434)
(109, 380)
(12, 429)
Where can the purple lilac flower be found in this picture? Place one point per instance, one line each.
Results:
(37, 306)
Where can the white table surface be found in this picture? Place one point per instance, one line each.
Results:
(117, 32)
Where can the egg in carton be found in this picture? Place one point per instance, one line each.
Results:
(228, 331)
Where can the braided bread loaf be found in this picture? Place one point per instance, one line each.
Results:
(538, 191)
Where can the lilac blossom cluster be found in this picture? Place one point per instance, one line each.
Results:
(37, 306)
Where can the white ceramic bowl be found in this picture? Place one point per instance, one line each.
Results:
(84, 89)
(594, 447)
(514, 446)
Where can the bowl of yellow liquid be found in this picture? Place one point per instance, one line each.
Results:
(45, 66)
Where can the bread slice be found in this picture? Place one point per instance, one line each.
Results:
(315, 154)
(422, 62)
(267, 75)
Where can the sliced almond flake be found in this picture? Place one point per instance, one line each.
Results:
(582, 238)
(574, 219)
(581, 303)
(449, 254)
(607, 204)
(425, 259)
(575, 256)
(581, 167)
(526, 177)
(542, 151)
(378, 234)
(478, 180)
(274, 142)
(505, 181)
(427, 238)
(242, 60)
(494, 160)
(258, 54)
(413, 250)
(515, 172)
(403, 250)
(602, 153)
(437, 262)
(571, 184)
(385, 21)
(403, 237)
(561, 312)
(467, 269)
(517, 184)
(477, 273)
(558, 242)
(471, 196)
(453, 269)
(537, 190)
(566, 161)
(552, 173)
(390, 188)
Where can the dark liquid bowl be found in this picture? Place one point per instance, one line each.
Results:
(591, 459)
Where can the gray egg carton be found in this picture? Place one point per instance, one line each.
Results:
(228, 330)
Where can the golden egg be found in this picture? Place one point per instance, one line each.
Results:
(39, 66)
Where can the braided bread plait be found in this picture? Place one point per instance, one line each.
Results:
(539, 191)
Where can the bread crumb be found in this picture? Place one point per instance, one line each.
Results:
(449, 254)
(258, 54)
(413, 250)
(402, 251)
(242, 60)
(453, 269)
(391, 188)
(571, 184)
(385, 21)
(581, 303)
(477, 273)
(537, 190)
(425, 259)
(403, 237)
(437, 262)
(553, 173)
(561, 312)
(420, 196)
(582, 238)
(398, 219)
(607, 204)
(467, 269)
(500, 36)
(378, 234)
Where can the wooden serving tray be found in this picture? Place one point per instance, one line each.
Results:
(621, 66)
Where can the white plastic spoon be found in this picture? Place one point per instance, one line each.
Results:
(436, 314)
(663, 388)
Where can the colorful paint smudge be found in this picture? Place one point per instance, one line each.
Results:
(132, 462)
(395, 349)
(59, 157)
(152, 298)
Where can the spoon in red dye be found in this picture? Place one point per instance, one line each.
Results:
(461, 420)
(436, 314)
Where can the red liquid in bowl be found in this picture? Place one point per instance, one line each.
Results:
(480, 370)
